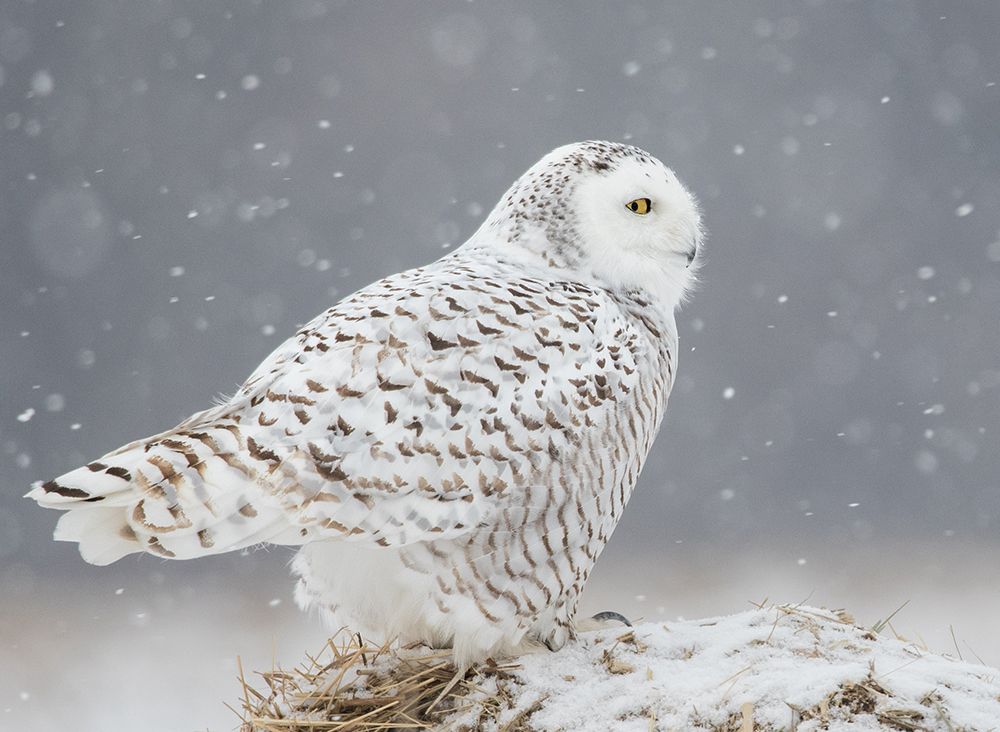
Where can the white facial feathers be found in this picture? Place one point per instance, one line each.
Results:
(571, 209)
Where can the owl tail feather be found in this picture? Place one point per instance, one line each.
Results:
(96, 499)
(194, 491)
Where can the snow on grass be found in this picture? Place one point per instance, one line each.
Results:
(782, 667)
(776, 668)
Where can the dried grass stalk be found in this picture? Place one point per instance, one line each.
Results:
(352, 685)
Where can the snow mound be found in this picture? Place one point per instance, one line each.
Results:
(777, 668)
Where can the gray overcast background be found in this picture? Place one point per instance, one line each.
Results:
(182, 183)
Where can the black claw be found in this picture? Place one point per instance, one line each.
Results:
(612, 615)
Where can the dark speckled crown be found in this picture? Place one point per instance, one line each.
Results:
(539, 200)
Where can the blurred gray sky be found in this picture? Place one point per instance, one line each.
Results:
(181, 183)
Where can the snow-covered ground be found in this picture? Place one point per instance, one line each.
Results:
(785, 667)
(789, 667)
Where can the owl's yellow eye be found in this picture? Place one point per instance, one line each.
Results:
(641, 206)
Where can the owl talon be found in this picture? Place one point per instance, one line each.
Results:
(607, 615)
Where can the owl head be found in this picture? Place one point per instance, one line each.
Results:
(604, 212)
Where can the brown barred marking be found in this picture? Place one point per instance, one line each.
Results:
(385, 385)
(434, 388)
(486, 330)
(167, 470)
(317, 454)
(524, 355)
(181, 521)
(147, 487)
(234, 462)
(119, 472)
(337, 526)
(440, 344)
(437, 314)
(153, 545)
(259, 452)
(335, 473)
(139, 517)
(390, 413)
(454, 404)
(53, 487)
(454, 306)
(475, 378)
(208, 441)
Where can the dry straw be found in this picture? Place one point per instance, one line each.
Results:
(353, 685)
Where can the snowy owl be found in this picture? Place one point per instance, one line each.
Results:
(451, 446)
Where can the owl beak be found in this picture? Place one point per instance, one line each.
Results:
(691, 255)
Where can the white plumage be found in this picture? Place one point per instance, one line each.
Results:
(451, 446)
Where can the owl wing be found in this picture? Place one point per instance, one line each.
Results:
(409, 412)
